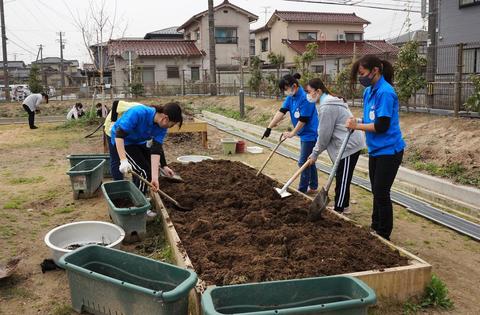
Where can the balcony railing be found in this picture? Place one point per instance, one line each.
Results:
(226, 40)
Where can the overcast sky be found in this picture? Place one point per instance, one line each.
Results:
(33, 22)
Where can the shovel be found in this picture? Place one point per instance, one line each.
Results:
(156, 191)
(283, 191)
(174, 179)
(271, 154)
(321, 199)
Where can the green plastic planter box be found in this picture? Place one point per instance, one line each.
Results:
(132, 220)
(335, 295)
(109, 281)
(86, 177)
(77, 158)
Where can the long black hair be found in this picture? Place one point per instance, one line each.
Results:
(370, 62)
(173, 110)
(45, 95)
(317, 84)
(289, 80)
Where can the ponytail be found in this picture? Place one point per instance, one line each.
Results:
(370, 62)
(289, 80)
(172, 110)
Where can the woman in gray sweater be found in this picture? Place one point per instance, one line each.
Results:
(333, 112)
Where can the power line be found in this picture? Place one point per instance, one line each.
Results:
(356, 5)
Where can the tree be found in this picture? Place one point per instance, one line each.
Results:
(256, 76)
(276, 60)
(408, 72)
(34, 82)
(303, 62)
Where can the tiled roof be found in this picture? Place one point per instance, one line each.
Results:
(320, 17)
(166, 33)
(153, 47)
(336, 48)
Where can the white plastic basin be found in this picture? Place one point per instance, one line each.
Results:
(193, 158)
(255, 150)
(82, 233)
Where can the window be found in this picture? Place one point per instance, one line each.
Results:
(195, 73)
(307, 35)
(172, 72)
(148, 75)
(226, 35)
(353, 36)
(318, 69)
(197, 34)
(471, 60)
(468, 3)
(252, 47)
(264, 44)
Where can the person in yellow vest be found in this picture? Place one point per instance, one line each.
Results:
(118, 108)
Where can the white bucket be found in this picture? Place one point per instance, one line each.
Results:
(82, 233)
(193, 158)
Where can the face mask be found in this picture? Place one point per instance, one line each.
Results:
(311, 99)
(290, 92)
(366, 81)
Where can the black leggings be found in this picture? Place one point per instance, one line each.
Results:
(139, 157)
(382, 170)
(31, 116)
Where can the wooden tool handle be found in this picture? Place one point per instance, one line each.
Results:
(280, 141)
(155, 190)
(295, 175)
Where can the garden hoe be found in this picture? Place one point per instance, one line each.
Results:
(321, 199)
(156, 191)
(283, 191)
(271, 154)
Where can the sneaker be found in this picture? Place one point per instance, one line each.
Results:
(347, 211)
(34, 127)
(151, 214)
(312, 191)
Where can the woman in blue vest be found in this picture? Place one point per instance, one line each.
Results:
(384, 137)
(303, 115)
(138, 137)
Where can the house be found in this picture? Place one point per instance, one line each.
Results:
(452, 23)
(18, 72)
(232, 34)
(155, 61)
(52, 69)
(419, 36)
(339, 37)
(169, 33)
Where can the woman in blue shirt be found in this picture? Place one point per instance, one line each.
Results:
(384, 137)
(138, 136)
(303, 115)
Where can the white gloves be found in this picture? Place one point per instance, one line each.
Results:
(125, 167)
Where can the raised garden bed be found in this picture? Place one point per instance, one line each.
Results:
(241, 231)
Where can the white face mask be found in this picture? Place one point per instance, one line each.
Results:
(289, 93)
(312, 99)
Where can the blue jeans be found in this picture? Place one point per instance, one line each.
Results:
(309, 177)
(114, 160)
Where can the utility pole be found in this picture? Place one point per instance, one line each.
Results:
(42, 72)
(431, 50)
(266, 11)
(6, 84)
(211, 49)
(62, 73)
(241, 60)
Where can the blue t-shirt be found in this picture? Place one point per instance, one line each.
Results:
(382, 101)
(138, 123)
(299, 106)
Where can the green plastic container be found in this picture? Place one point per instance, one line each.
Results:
(132, 220)
(77, 158)
(339, 295)
(229, 146)
(86, 177)
(109, 281)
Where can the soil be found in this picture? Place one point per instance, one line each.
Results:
(242, 231)
(123, 203)
(75, 246)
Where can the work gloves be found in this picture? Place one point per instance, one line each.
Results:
(125, 167)
(267, 132)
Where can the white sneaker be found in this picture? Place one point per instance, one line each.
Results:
(151, 214)
(347, 211)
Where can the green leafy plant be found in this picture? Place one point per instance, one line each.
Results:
(277, 60)
(256, 76)
(34, 82)
(303, 62)
(436, 296)
(473, 102)
(137, 88)
(409, 71)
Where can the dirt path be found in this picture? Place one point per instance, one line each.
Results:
(35, 196)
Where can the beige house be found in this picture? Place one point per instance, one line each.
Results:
(52, 69)
(232, 34)
(339, 37)
(166, 62)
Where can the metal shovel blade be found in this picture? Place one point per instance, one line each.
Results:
(319, 204)
(174, 179)
(283, 193)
